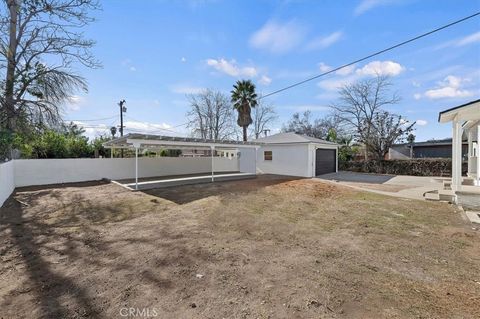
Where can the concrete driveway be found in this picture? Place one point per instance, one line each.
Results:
(412, 187)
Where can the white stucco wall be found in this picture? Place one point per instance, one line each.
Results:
(247, 160)
(7, 181)
(293, 160)
(53, 171)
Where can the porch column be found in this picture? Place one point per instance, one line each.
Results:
(470, 151)
(456, 155)
(478, 155)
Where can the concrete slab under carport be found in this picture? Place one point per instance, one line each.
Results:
(178, 180)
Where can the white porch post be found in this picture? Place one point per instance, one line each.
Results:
(111, 151)
(478, 155)
(212, 149)
(470, 151)
(456, 155)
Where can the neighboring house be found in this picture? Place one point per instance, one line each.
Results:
(428, 149)
(296, 155)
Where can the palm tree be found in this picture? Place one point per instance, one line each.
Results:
(243, 99)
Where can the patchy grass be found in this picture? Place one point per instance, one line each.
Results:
(271, 247)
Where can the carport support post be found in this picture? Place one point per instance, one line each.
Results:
(212, 149)
(137, 146)
(136, 168)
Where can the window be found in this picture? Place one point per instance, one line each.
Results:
(267, 155)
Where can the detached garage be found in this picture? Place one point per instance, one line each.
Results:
(296, 155)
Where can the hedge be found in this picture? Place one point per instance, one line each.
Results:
(416, 167)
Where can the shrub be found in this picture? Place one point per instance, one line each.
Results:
(416, 167)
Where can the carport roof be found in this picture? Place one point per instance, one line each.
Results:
(148, 140)
(291, 138)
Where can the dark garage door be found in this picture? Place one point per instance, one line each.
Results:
(325, 161)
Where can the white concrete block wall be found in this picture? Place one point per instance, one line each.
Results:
(53, 171)
(7, 181)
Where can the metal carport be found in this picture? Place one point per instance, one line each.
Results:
(146, 141)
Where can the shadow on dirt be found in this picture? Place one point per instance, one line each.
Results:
(189, 193)
(63, 260)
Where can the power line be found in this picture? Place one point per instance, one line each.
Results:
(372, 55)
(93, 120)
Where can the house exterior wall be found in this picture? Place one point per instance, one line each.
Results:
(53, 171)
(293, 160)
(246, 162)
(7, 181)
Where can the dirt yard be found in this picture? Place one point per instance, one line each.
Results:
(273, 247)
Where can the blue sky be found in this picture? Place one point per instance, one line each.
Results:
(155, 52)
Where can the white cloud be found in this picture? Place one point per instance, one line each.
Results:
(147, 127)
(366, 5)
(94, 130)
(265, 80)
(183, 59)
(325, 41)
(324, 67)
(351, 73)
(389, 68)
(421, 122)
(278, 38)
(231, 68)
(127, 63)
(472, 38)
(186, 89)
(346, 70)
(450, 87)
(460, 42)
(74, 103)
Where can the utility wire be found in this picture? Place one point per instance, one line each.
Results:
(373, 54)
(93, 120)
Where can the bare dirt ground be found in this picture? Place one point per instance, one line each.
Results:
(273, 247)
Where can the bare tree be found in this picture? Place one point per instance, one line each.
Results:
(40, 43)
(319, 128)
(263, 116)
(385, 129)
(211, 115)
(360, 108)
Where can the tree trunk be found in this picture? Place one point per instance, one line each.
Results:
(13, 7)
(244, 133)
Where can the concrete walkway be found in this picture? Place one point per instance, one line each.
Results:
(412, 187)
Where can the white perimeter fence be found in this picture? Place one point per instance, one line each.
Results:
(18, 173)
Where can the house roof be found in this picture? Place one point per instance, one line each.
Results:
(467, 111)
(291, 138)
